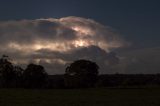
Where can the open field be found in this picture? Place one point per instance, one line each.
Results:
(81, 97)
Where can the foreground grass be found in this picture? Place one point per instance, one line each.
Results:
(81, 97)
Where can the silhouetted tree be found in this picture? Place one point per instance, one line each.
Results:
(18, 76)
(34, 76)
(81, 73)
(10, 75)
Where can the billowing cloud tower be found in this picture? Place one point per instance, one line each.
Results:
(57, 42)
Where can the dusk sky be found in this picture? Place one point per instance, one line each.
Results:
(55, 32)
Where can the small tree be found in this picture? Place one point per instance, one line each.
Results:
(81, 73)
(34, 76)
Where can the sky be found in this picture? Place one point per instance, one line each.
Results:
(32, 28)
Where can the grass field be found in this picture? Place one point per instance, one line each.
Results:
(81, 97)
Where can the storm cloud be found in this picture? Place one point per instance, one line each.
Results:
(55, 43)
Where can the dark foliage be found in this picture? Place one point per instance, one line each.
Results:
(34, 76)
(81, 73)
(10, 75)
(130, 80)
(56, 81)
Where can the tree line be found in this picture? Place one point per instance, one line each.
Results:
(79, 74)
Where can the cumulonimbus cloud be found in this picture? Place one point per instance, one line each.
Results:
(55, 42)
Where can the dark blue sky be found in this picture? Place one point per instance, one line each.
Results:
(138, 21)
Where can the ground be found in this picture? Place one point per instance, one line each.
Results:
(81, 97)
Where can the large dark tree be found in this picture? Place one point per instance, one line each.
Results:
(81, 73)
(34, 76)
(9, 74)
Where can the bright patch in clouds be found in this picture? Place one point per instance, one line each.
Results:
(55, 42)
